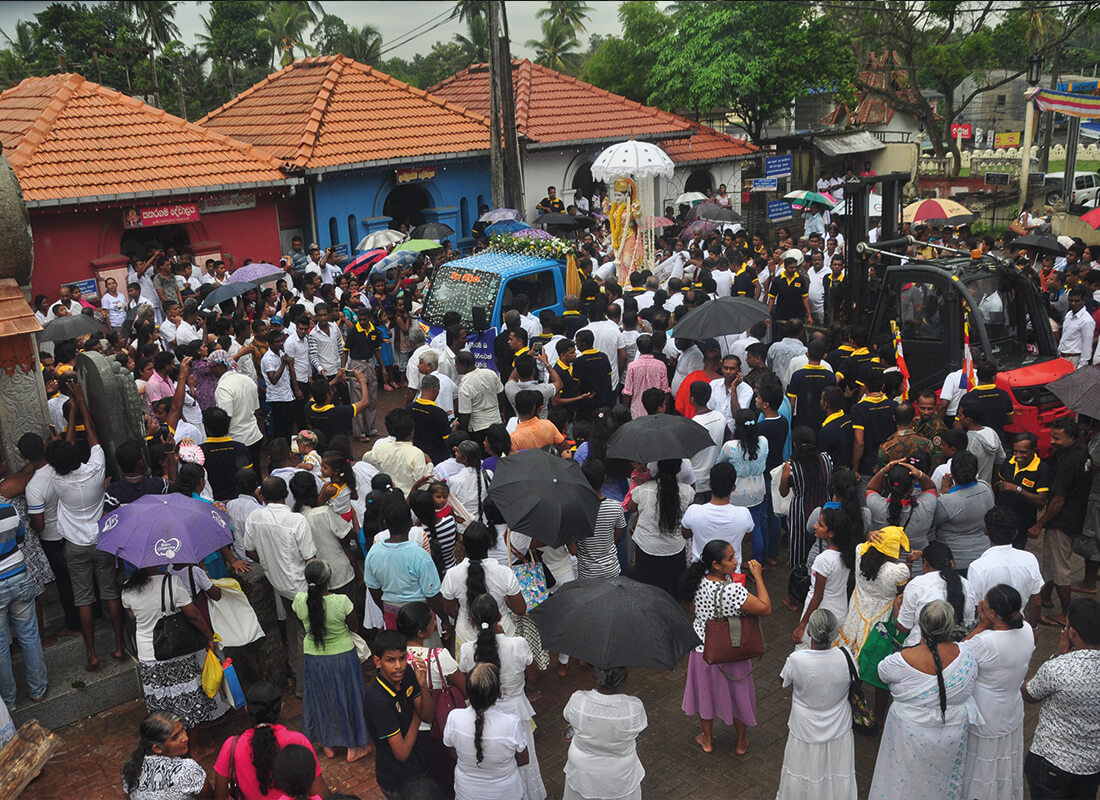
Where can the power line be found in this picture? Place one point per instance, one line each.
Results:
(419, 31)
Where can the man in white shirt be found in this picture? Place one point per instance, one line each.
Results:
(1003, 563)
(282, 542)
(412, 371)
(309, 299)
(191, 328)
(714, 422)
(478, 396)
(80, 493)
(1078, 327)
(723, 276)
(236, 394)
(608, 340)
(717, 518)
(528, 321)
(428, 364)
(316, 260)
(296, 345)
(326, 346)
(169, 329)
(729, 387)
(396, 455)
(816, 273)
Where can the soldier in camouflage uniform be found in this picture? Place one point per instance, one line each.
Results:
(904, 443)
(930, 425)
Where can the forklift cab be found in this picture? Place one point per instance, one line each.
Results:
(929, 300)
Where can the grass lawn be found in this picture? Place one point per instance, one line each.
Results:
(1058, 167)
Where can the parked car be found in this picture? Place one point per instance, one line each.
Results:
(1086, 191)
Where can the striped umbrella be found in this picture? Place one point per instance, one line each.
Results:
(363, 261)
(938, 211)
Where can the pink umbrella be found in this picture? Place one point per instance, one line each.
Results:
(532, 233)
(362, 262)
(700, 227)
(657, 222)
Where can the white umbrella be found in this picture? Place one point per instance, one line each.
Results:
(690, 198)
(380, 239)
(633, 158)
(874, 206)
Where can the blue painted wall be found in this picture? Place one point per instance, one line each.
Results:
(360, 194)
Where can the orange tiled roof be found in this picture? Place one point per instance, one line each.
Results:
(883, 71)
(553, 108)
(331, 110)
(69, 139)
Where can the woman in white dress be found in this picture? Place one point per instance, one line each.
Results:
(603, 759)
(819, 760)
(922, 752)
(475, 575)
(489, 744)
(1002, 646)
(829, 572)
(511, 655)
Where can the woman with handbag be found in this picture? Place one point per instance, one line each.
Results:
(172, 640)
(720, 687)
(805, 478)
(819, 760)
(333, 691)
(245, 767)
(924, 737)
(1002, 646)
(447, 683)
(475, 575)
(511, 655)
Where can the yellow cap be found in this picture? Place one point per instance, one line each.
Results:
(892, 540)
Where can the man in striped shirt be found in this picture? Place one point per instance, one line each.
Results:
(17, 592)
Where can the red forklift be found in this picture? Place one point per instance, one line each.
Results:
(928, 302)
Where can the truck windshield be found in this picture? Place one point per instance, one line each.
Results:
(461, 290)
(1007, 321)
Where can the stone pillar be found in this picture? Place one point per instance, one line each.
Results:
(375, 224)
(114, 403)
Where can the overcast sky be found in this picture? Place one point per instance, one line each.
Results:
(398, 21)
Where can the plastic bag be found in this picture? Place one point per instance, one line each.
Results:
(231, 689)
(211, 674)
(232, 617)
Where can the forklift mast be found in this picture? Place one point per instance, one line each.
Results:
(857, 216)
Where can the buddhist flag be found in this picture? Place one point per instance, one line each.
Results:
(899, 357)
(968, 380)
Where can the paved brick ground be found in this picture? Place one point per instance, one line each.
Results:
(89, 765)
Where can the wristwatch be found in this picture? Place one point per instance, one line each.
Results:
(1019, 488)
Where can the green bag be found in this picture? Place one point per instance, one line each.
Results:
(882, 640)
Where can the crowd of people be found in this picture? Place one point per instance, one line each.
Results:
(907, 518)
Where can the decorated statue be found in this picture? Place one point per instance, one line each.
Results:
(624, 214)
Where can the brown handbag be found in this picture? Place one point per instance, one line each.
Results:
(1017, 227)
(727, 639)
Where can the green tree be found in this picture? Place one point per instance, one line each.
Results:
(623, 65)
(442, 61)
(469, 9)
(558, 48)
(17, 57)
(333, 36)
(476, 41)
(156, 26)
(233, 49)
(76, 37)
(753, 58)
(573, 13)
(283, 29)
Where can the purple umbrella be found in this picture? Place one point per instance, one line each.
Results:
(164, 529)
(499, 214)
(532, 233)
(700, 227)
(257, 273)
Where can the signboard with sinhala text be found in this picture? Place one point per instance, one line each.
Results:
(778, 166)
(779, 210)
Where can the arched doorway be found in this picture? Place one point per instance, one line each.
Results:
(699, 181)
(582, 181)
(139, 241)
(406, 204)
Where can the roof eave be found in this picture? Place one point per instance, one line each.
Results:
(714, 160)
(397, 162)
(681, 134)
(148, 195)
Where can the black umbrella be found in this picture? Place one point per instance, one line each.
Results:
(657, 437)
(431, 230)
(584, 222)
(1044, 244)
(545, 497)
(227, 292)
(70, 327)
(719, 213)
(615, 622)
(721, 317)
(1079, 390)
(703, 210)
(556, 220)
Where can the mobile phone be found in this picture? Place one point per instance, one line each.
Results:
(536, 348)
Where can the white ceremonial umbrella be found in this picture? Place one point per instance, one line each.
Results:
(633, 158)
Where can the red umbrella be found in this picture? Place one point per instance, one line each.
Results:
(361, 263)
(1092, 218)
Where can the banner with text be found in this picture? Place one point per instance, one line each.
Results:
(160, 215)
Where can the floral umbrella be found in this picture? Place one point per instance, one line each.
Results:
(634, 158)
(532, 233)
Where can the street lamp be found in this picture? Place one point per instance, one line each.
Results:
(1034, 71)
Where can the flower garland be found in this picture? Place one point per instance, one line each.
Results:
(544, 248)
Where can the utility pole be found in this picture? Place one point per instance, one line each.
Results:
(179, 85)
(496, 153)
(1034, 65)
(513, 169)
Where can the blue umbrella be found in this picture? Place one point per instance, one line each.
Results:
(506, 226)
(227, 292)
(164, 529)
(395, 260)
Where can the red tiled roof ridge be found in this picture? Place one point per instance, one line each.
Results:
(73, 82)
(424, 93)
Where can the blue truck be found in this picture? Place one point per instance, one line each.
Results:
(480, 288)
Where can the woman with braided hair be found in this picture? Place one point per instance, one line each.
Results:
(489, 744)
(892, 501)
(922, 752)
(1002, 646)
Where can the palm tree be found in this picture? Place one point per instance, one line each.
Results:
(284, 27)
(16, 59)
(557, 50)
(476, 43)
(364, 45)
(157, 27)
(470, 9)
(574, 13)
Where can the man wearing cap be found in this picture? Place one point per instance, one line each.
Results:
(789, 295)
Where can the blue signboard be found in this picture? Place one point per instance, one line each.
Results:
(480, 344)
(779, 210)
(88, 288)
(342, 252)
(765, 184)
(778, 166)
